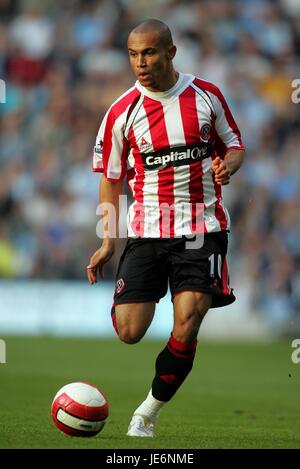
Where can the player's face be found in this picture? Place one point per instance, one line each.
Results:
(151, 60)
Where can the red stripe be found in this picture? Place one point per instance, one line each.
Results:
(219, 211)
(181, 349)
(115, 111)
(189, 116)
(181, 345)
(169, 379)
(97, 170)
(160, 140)
(220, 148)
(130, 176)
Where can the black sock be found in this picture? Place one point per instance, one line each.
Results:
(172, 365)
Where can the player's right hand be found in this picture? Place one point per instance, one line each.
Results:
(97, 261)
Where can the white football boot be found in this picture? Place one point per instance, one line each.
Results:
(141, 425)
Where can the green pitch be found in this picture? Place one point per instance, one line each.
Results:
(237, 396)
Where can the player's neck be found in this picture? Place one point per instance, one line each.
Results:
(168, 83)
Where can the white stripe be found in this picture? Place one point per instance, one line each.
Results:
(173, 121)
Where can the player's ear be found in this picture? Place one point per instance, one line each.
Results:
(172, 52)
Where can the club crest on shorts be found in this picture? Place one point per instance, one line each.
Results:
(120, 284)
(205, 132)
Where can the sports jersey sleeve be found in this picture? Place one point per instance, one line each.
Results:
(225, 125)
(111, 148)
(97, 153)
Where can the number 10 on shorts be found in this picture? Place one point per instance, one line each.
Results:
(218, 270)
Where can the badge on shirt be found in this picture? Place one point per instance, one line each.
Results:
(98, 148)
(205, 132)
(97, 156)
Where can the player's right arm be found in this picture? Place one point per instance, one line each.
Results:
(110, 155)
(109, 193)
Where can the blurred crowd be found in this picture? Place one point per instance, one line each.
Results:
(65, 61)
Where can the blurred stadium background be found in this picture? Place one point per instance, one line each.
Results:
(63, 63)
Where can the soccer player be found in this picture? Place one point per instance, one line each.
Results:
(173, 137)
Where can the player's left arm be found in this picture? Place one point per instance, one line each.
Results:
(224, 168)
(228, 132)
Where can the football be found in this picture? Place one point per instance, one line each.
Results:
(80, 409)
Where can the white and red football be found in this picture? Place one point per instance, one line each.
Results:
(80, 409)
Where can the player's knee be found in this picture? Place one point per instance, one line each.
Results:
(129, 335)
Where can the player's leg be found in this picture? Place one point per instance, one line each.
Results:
(131, 323)
(174, 362)
(140, 282)
(199, 280)
(190, 308)
(132, 320)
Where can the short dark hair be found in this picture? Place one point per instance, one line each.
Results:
(153, 25)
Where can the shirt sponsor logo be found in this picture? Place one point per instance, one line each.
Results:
(177, 156)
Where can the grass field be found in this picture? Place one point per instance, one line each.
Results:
(239, 395)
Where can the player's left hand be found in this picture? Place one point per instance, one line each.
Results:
(221, 170)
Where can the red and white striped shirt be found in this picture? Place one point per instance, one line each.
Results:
(165, 142)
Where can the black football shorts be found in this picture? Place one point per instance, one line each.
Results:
(148, 265)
